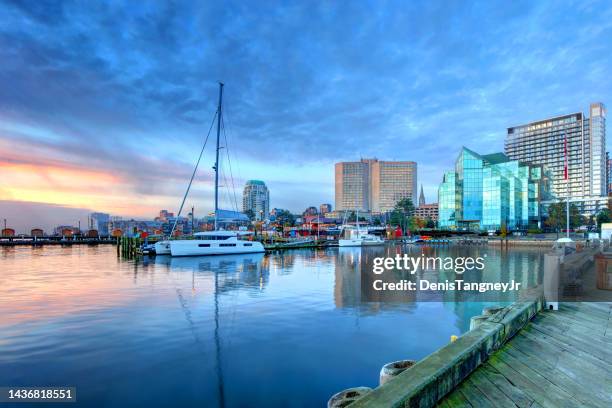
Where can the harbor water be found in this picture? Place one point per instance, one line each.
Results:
(278, 330)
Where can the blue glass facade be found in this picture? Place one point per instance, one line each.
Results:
(488, 191)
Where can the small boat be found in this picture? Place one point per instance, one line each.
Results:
(414, 240)
(357, 237)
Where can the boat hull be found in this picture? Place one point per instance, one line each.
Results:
(203, 248)
(162, 248)
(372, 243)
(350, 242)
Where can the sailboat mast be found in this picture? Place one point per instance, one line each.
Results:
(217, 153)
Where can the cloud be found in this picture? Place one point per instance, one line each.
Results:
(129, 90)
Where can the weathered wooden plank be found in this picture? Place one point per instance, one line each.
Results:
(543, 380)
(521, 399)
(533, 387)
(563, 360)
(457, 400)
(557, 349)
(573, 320)
(589, 307)
(443, 404)
(490, 390)
(474, 396)
(591, 347)
(586, 308)
(583, 387)
(564, 325)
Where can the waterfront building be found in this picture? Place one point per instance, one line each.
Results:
(256, 199)
(427, 211)
(543, 142)
(100, 222)
(371, 185)
(164, 215)
(609, 173)
(325, 208)
(487, 191)
(310, 211)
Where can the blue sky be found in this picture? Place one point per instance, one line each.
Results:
(119, 95)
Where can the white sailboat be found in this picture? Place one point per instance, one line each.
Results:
(355, 237)
(217, 242)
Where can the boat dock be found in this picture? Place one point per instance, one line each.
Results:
(42, 241)
(560, 359)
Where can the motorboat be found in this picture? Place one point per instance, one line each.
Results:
(357, 237)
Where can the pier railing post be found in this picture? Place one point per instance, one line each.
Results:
(552, 269)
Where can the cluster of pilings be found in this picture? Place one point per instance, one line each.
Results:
(390, 370)
(128, 247)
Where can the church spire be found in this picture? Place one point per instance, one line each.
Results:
(421, 197)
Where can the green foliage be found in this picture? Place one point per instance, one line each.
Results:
(250, 214)
(602, 217)
(353, 217)
(285, 218)
(402, 215)
(557, 216)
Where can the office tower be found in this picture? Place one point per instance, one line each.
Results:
(374, 186)
(256, 198)
(609, 161)
(545, 142)
(100, 222)
(488, 191)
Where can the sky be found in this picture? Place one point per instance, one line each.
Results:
(104, 106)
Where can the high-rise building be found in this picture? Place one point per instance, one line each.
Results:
(488, 191)
(609, 161)
(545, 142)
(256, 198)
(374, 186)
(100, 222)
(325, 208)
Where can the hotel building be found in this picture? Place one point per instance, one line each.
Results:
(427, 211)
(544, 143)
(256, 198)
(374, 186)
(487, 191)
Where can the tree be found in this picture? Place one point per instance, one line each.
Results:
(602, 217)
(353, 217)
(402, 214)
(249, 213)
(430, 223)
(285, 218)
(420, 222)
(557, 217)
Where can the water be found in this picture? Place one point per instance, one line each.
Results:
(235, 331)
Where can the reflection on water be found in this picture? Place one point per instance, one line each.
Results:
(287, 329)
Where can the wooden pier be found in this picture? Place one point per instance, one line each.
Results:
(560, 359)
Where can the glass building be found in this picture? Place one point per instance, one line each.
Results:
(488, 191)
